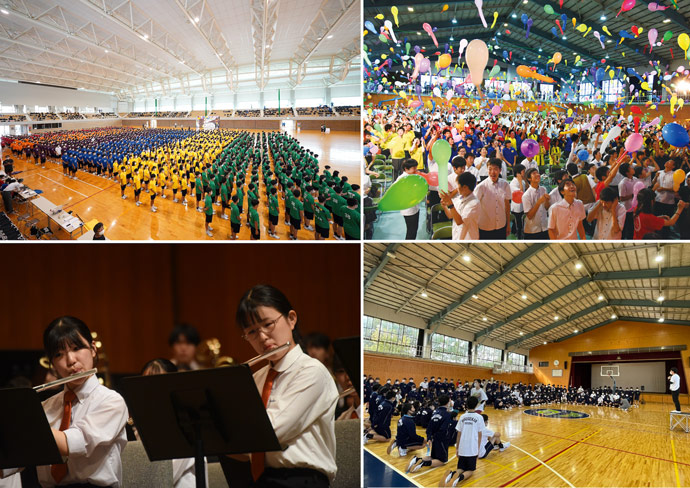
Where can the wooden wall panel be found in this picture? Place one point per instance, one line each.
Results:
(334, 125)
(132, 294)
(394, 367)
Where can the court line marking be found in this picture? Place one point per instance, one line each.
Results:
(80, 180)
(542, 463)
(93, 195)
(57, 183)
(675, 464)
(394, 468)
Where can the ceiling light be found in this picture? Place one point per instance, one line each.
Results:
(514, 16)
(564, 38)
(196, 19)
(600, 297)
(524, 296)
(454, 21)
(667, 21)
(613, 316)
(662, 348)
(329, 37)
(539, 49)
(522, 333)
(578, 265)
(424, 295)
(410, 9)
(574, 54)
(419, 33)
(106, 51)
(661, 319)
(452, 38)
(660, 298)
(603, 17)
(475, 296)
(146, 36)
(575, 331)
(4, 11)
(555, 317)
(589, 352)
(505, 25)
(544, 342)
(466, 257)
(484, 319)
(659, 258)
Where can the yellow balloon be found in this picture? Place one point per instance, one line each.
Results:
(581, 28)
(645, 86)
(570, 112)
(684, 43)
(574, 21)
(612, 74)
(402, 94)
(577, 58)
(605, 29)
(557, 58)
(379, 16)
(384, 56)
(394, 11)
(365, 33)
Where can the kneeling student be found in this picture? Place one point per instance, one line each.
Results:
(406, 438)
(470, 427)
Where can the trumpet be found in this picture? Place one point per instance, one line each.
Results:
(67, 379)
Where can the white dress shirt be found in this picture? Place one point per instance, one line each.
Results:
(675, 382)
(554, 196)
(468, 208)
(565, 218)
(415, 208)
(482, 165)
(604, 227)
(515, 186)
(301, 408)
(184, 474)
(95, 437)
(529, 164)
(492, 200)
(665, 180)
(538, 223)
(625, 188)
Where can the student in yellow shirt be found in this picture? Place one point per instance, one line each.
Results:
(417, 153)
(137, 188)
(161, 182)
(396, 146)
(123, 183)
(147, 178)
(175, 185)
(183, 189)
(153, 189)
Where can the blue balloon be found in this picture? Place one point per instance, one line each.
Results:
(675, 135)
(524, 18)
(583, 155)
(505, 54)
(554, 31)
(369, 26)
(600, 74)
(569, 120)
(366, 150)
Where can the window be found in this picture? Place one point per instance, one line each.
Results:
(487, 356)
(340, 101)
(449, 349)
(309, 102)
(612, 89)
(586, 92)
(516, 361)
(389, 338)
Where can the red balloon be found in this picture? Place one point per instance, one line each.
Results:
(517, 196)
(636, 119)
(635, 109)
(431, 178)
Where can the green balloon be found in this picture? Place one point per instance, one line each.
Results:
(668, 36)
(378, 127)
(383, 38)
(404, 193)
(441, 151)
(494, 71)
(548, 9)
(407, 48)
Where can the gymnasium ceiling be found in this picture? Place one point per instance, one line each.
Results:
(479, 288)
(146, 47)
(541, 43)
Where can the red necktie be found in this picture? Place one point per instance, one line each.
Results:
(258, 458)
(59, 471)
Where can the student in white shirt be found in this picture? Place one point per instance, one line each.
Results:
(565, 221)
(482, 164)
(300, 393)
(625, 195)
(609, 214)
(518, 183)
(463, 209)
(411, 214)
(674, 380)
(492, 439)
(535, 203)
(93, 437)
(470, 426)
(494, 200)
(665, 196)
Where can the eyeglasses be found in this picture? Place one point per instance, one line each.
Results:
(267, 328)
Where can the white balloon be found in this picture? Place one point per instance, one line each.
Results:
(477, 56)
(613, 133)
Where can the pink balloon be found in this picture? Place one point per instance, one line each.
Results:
(529, 148)
(495, 110)
(520, 104)
(634, 142)
(456, 138)
(431, 178)
(651, 36)
(627, 5)
(374, 150)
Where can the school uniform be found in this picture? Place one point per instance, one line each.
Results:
(469, 427)
(492, 217)
(407, 433)
(537, 227)
(565, 218)
(437, 433)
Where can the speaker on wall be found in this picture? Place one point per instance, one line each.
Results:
(565, 364)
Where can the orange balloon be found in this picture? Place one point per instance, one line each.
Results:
(444, 60)
(525, 72)
(557, 58)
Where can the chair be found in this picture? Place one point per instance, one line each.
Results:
(443, 233)
(138, 471)
(90, 224)
(438, 217)
(347, 453)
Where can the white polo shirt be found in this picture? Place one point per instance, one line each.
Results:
(540, 221)
(492, 197)
(565, 218)
(468, 208)
(604, 227)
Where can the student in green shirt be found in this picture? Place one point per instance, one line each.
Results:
(224, 199)
(251, 195)
(296, 214)
(321, 226)
(235, 221)
(254, 220)
(273, 213)
(351, 220)
(337, 205)
(288, 199)
(309, 206)
(199, 191)
(240, 196)
(208, 209)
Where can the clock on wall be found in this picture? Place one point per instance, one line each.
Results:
(556, 363)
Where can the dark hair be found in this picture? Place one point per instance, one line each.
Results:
(458, 162)
(351, 202)
(645, 201)
(443, 400)
(623, 169)
(64, 332)
(485, 417)
(496, 162)
(674, 369)
(263, 296)
(316, 339)
(409, 164)
(601, 172)
(98, 227)
(159, 366)
(529, 172)
(559, 174)
(562, 184)
(472, 402)
(187, 331)
(519, 168)
(406, 408)
(467, 179)
(571, 168)
(608, 194)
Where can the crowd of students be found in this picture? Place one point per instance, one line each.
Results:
(577, 185)
(220, 168)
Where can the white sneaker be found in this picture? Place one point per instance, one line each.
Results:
(402, 451)
(124, 197)
(224, 217)
(209, 233)
(164, 195)
(275, 236)
(391, 447)
(448, 478)
(506, 445)
(416, 468)
(411, 463)
(675, 411)
(138, 203)
(154, 209)
(175, 200)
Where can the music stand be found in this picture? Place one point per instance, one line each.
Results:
(25, 436)
(348, 351)
(210, 412)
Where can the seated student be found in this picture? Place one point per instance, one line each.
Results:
(470, 427)
(437, 436)
(380, 430)
(99, 232)
(298, 391)
(184, 474)
(183, 340)
(87, 419)
(406, 437)
(492, 439)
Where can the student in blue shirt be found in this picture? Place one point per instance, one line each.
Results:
(406, 438)
(380, 430)
(437, 435)
(509, 153)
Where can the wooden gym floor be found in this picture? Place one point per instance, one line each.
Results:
(92, 197)
(611, 448)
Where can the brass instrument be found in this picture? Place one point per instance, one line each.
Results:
(208, 355)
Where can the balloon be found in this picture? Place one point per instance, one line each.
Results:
(627, 5)
(463, 45)
(675, 135)
(668, 35)
(634, 142)
(495, 110)
(678, 178)
(370, 26)
(548, 9)
(440, 151)
(613, 134)
(374, 150)
(479, 4)
(431, 178)
(394, 11)
(639, 185)
(477, 56)
(557, 58)
(389, 26)
(525, 72)
(495, 19)
(404, 193)
(684, 43)
(494, 71)
(583, 155)
(429, 31)
(424, 65)
(517, 196)
(520, 103)
(444, 61)
(529, 148)
(651, 37)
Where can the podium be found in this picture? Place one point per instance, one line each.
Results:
(680, 419)
(26, 438)
(210, 412)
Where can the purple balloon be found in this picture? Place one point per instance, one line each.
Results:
(529, 148)
(424, 65)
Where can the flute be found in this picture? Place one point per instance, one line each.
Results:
(260, 357)
(67, 379)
